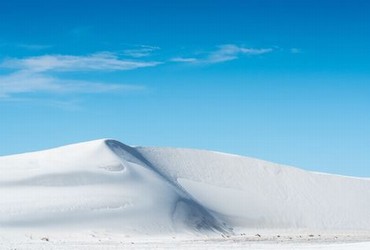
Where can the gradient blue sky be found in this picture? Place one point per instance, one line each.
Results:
(285, 81)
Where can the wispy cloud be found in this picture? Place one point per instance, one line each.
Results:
(102, 61)
(184, 59)
(231, 52)
(223, 53)
(42, 74)
(37, 74)
(31, 82)
(141, 51)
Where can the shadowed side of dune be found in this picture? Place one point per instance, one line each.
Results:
(187, 211)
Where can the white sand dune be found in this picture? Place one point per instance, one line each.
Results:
(107, 185)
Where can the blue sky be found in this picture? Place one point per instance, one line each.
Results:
(285, 81)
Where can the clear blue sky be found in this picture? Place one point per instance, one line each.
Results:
(285, 81)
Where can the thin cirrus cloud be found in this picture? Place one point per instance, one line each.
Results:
(224, 53)
(140, 51)
(184, 59)
(102, 61)
(35, 74)
(31, 82)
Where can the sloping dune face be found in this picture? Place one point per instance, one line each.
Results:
(247, 192)
(106, 184)
(99, 184)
